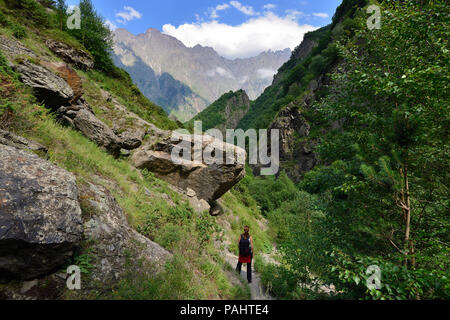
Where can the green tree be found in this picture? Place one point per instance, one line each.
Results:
(392, 94)
(61, 9)
(95, 36)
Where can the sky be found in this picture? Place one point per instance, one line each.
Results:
(235, 29)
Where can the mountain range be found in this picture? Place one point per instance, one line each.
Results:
(183, 80)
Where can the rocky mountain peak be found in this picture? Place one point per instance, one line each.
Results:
(199, 68)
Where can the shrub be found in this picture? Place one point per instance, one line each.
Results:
(3, 20)
(19, 32)
(318, 64)
(31, 12)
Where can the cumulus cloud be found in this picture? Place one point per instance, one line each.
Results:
(321, 15)
(258, 34)
(248, 10)
(265, 73)
(269, 6)
(128, 14)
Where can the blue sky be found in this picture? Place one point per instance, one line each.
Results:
(234, 28)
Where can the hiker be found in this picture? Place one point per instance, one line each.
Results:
(245, 244)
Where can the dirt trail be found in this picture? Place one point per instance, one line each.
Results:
(257, 290)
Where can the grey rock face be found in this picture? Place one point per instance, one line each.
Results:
(13, 48)
(10, 139)
(48, 87)
(97, 131)
(113, 239)
(208, 181)
(77, 58)
(293, 126)
(40, 217)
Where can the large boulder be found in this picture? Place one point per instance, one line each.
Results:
(67, 74)
(48, 87)
(77, 58)
(132, 138)
(97, 131)
(208, 181)
(40, 216)
(113, 240)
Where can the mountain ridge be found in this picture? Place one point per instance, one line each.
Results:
(202, 69)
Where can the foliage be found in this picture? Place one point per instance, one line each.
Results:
(397, 281)
(84, 262)
(95, 36)
(381, 195)
(387, 164)
(30, 12)
(19, 32)
(214, 114)
(130, 96)
(270, 193)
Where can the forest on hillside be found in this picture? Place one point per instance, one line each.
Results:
(379, 194)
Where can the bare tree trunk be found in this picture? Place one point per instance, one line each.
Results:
(409, 246)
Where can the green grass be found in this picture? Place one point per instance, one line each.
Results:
(245, 213)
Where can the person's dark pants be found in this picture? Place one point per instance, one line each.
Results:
(249, 270)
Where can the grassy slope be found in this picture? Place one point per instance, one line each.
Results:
(198, 270)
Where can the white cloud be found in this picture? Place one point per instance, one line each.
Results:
(221, 72)
(110, 25)
(269, 6)
(248, 10)
(128, 14)
(294, 14)
(220, 7)
(258, 34)
(266, 73)
(321, 15)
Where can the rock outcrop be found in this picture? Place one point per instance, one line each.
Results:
(97, 131)
(209, 181)
(67, 74)
(13, 48)
(113, 240)
(40, 216)
(48, 87)
(296, 151)
(77, 58)
(10, 139)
